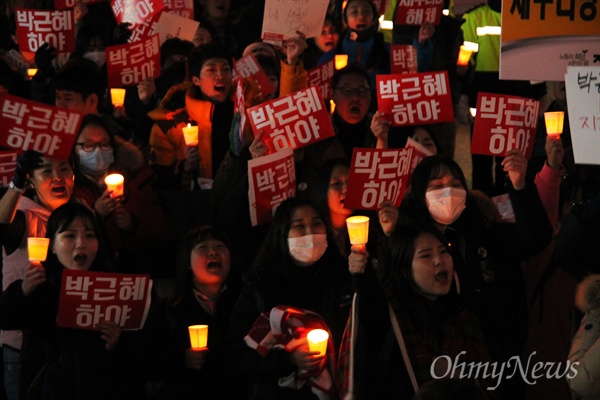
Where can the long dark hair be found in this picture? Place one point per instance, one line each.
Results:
(321, 192)
(59, 221)
(429, 168)
(395, 271)
(274, 254)
(183, 274)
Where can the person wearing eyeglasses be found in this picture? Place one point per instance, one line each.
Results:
(351, 117)
(135, 223)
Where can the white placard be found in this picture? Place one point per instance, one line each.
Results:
(283, 18)
(583, 99)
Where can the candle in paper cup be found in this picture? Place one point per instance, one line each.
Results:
(331, 106)
(190, 135)
(117, 97)
(31, 72)
(115, 182)
(198, 336)
(340, 61)
(37, 248)
(317, 341)
(554, 122)
(464, 55)
(358, 229)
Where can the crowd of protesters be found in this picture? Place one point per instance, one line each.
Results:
(442, 277)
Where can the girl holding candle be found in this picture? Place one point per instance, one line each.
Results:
(135, 223)
(77, 363)
(206, 289)
(39, 186)
(487, 253)
(296, 268)
(411, 298)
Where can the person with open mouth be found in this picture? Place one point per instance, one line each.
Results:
(207, 284)
(81, 363)
(40, 185)
(362, 41)
(410, 314)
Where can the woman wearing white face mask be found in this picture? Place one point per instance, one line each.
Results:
(486, 253)
(297, 268)
(135, 222)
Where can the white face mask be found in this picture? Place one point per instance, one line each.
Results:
(99, 57)
(95, 162)
(307, 249)
(445, 205)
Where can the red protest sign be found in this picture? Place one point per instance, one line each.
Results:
(321, 77)
(65, 4)
(36, 27)
(27, 125)
(183, 8)
(403, 59)
(146, 29)
(292, 121)
(87, 298)
(503, 123)
(131, 63)
(248, 67)
(377, 175)
(413, 99)
(418, 12)
(380, 6)
(8, 164)
(419, 153)
(271, 179)
(137, 11)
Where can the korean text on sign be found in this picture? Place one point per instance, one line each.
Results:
(417, 12)
(403, 59)
(412, 99)
(137, 11)
(8, 164)
(321, 77)
(377, 175)
(88, 298)
(503, 123)
(247, 67)
(291, 122)
(130, 64)
(36, 27)
(271, 179)
(183, 8)
(28, 125)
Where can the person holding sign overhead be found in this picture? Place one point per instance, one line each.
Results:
(24, 213)
(77, 363)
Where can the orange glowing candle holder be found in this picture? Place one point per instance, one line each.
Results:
(554, 122)
(341, 60)
(317, 341)
(331, 106)
(190, 135)
(358, 229)
(198, 336)
(117, 96)
(116, 183)
(31, 72)
(37, 248)
(464, 55)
